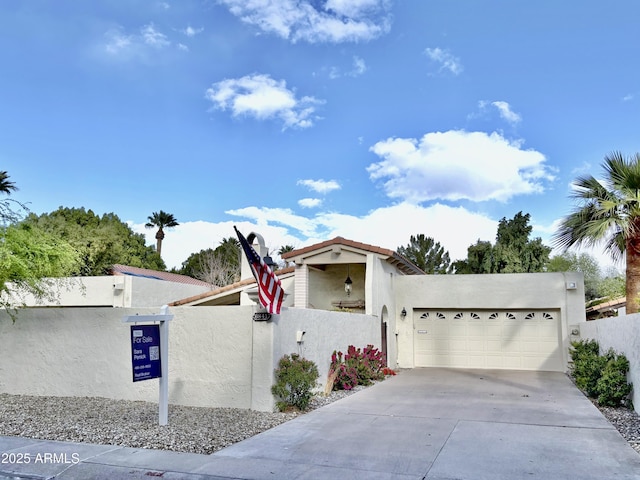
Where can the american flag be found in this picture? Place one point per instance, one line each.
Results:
(270, 290)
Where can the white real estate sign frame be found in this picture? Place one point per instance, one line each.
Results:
(163, 319)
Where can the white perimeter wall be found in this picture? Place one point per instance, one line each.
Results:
(324, 333)
(87, 352)
(218, 356)
(623, 335)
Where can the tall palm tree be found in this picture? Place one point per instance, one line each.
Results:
(6, 186)
(161, 220)
(608, 211)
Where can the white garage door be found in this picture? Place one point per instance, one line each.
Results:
(514, 339)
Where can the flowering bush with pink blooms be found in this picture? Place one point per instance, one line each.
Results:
(357, 367)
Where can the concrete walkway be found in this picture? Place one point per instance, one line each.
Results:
(431, 424)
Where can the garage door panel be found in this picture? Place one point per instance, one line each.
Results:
(489, 339)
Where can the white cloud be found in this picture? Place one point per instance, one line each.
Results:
(192, 32)
(506, 113)
(152, 37)
(262, 97)
(358, 68)
(456, 165)
(454, 227)
(123, 45)
(320, 186)
(302, 20)
(309, 202)
(445, 60)
(628, 97)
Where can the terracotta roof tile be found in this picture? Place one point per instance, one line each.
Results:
(156, 275)
(226, 288)
(409, 267)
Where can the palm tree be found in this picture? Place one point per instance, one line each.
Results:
(161, 220)
(608, 211)
(6, 186)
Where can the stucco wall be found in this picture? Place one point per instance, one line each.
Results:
(114, 291)
(623, 335)
(87, 352)
(325, 332)
(218, 356)
(499, 291)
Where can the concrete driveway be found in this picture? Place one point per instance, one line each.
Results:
(431, 424)
(445, 424)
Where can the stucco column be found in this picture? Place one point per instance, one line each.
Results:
(262, 366)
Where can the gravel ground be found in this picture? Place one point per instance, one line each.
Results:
(135, 424)
(190, 429)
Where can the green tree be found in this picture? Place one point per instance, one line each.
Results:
(101, 241)
(218, 267)
(29, 257)
(513, 252)
(584, 263)
(6, 186)
(161, 220)
(479, 259)
(285, 249)
(607, 212)
(426, 254)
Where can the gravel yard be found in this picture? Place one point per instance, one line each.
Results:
(190, 429)
(135, 424)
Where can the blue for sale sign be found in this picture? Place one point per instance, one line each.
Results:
(145, 352)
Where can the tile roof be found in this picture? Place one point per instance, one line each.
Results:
(156, 275)
(403, 263)
(227, 288)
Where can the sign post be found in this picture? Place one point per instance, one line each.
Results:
(150, 354)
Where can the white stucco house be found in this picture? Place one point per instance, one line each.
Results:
(512, 321)
(223, 355)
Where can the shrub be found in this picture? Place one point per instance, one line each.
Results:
(587, 365)
(358, 367)
(603, 377)
(612, 387)
(295, 379)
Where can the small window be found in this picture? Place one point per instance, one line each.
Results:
(493, 316)
(529, 316)
(424, 315)
(458, 316)
(475, 316)
(511, 316)
(441, 316)
(547, 316)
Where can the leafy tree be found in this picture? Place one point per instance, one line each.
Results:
(218, 267)
(29, 256)
(513, 252)
(426, 254)
(608, 211)
(479, 259)
(161, 220)
(612, 287)
(100, 241)
(584, 263)
(29, 259)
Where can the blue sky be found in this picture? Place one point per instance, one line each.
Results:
(304, 120)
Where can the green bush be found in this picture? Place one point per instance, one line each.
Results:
(587, 365)
(296, 377)
(612, 387)
(603, 377)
